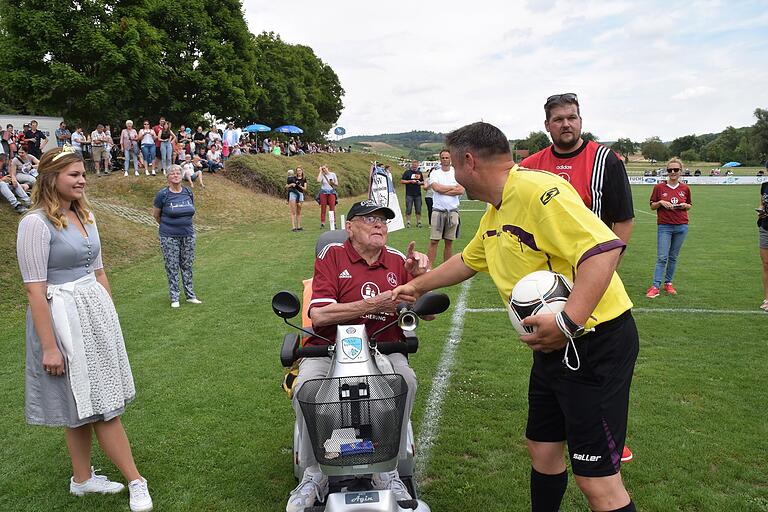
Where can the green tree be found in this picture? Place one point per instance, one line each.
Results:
(690, 155)
(108, 60)
(536, 141)
(587, 136)
(760, 132)
(712, 152)
(625, 147)
(684, 143)
(299, 88)
(654, 149)
(73, 60)
(208, 60)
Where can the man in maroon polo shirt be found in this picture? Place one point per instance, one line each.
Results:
(353, 284)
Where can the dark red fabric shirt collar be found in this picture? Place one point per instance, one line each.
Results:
(354, 257)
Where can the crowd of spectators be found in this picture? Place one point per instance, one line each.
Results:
(151, 148)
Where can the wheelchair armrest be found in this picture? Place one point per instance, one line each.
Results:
(287, 351)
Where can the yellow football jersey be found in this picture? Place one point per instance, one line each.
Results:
(542, 224)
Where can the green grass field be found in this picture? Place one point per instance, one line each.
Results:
(211, 428)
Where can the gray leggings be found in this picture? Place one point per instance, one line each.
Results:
(179, 255)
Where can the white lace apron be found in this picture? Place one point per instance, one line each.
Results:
(66, 325)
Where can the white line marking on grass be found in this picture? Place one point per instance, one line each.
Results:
(696, 310)
(464, 210)
(431, 422)
(645, 212)
(652, 310)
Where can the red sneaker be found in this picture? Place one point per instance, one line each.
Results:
(670, 289)
(626, 455)
(652, 293)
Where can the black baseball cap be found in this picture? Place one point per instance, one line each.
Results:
(366, 207)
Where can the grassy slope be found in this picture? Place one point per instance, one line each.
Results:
(267, 173)
(221, 205)
(212, 431)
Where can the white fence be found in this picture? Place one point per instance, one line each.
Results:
(701, 180)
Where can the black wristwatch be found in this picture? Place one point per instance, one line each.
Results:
(575, 329)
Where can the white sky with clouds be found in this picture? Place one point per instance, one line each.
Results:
(640, 69)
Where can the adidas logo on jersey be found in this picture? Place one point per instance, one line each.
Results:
(345, 274)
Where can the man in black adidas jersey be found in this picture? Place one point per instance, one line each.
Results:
(596, 172)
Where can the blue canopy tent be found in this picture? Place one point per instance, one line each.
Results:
(253, 128)
(732, 164)
(289, 128)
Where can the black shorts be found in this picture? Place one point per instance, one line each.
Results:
(587, 408)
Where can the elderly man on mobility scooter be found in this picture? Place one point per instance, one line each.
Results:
(353, 284)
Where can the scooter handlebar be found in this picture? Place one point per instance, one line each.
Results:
(313, 351)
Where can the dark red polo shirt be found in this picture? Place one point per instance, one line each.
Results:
(679, 194)
(342, 276)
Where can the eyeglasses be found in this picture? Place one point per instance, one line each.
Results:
(673, 170)
(568, 97)
(373, 220)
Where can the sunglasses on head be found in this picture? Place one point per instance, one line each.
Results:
(568, 97)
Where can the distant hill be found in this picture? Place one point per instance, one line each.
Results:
(418, 144)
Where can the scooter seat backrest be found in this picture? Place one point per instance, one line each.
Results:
(328, 237)
(336, 236)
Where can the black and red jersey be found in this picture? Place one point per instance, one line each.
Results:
(597, 174)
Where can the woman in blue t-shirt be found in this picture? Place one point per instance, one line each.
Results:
(173, 209)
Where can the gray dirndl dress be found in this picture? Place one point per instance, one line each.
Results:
(97, 383)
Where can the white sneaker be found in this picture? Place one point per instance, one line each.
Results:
(194, 300)
(175, 304)
(146, 172)
(312, 488)
(154, 173)
(96, 484)
(125, 174)
(141, 501)
(135, 173)
(392, 482)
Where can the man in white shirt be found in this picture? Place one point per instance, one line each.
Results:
(78, 139)
(214, 158)
(445, 207)
(98, 149)
(231, 136)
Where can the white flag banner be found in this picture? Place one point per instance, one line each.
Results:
(382, 192)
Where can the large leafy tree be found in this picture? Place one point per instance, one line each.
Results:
(625, 147)
(209, 59)
(760, 131)
(107, 60)
(536, 141)
(77, 59)
(654, 149)
(681, 144)
(300, 89)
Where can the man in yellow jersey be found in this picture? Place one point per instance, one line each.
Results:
(584, 357)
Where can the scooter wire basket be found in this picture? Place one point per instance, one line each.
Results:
(354, 420)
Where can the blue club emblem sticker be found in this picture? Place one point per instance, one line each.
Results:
(352, 347)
